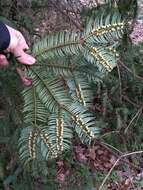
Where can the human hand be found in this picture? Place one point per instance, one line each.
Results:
(17, 47)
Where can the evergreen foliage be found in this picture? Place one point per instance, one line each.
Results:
(59, 99)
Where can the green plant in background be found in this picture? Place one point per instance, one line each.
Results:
(58, 101)
(61, 90)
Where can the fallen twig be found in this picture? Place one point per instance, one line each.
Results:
(130, 71)
(121, 157)
(119, 154)
(131, 102)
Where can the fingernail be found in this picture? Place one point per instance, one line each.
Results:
(31, 60)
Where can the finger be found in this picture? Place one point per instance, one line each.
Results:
(26, 59)
(25, 80)
(3, 61)
(23, 57)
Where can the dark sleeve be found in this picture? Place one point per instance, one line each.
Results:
(4, 37)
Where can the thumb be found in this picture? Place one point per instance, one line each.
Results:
(3, 61)
(23, 57)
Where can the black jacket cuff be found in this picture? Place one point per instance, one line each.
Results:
(4, 37)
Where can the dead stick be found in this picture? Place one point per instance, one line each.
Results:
(115, 154)
(130, 71)
(110, 171)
